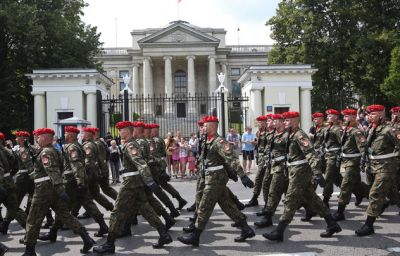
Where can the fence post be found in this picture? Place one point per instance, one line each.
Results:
(223, 112)
(126, 106)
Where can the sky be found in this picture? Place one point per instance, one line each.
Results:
(115, 19)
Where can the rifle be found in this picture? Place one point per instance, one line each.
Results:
(342, 142)
(286, 169)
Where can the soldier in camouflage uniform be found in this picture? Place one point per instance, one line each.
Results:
(219, 163)
(279, 178)
(23, 183)
(132, 195)
(104, 171)
(50, 193)
(331, 144)
(261, 142)
(395, 122)
(382, 141)
(161, 153)
(302, 161)
(75, 182)
(92, 168)
(352, 144)
(8, 164)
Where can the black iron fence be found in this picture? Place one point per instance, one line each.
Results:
(178, 112)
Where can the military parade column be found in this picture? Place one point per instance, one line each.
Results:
(305, 106)
(40, 109)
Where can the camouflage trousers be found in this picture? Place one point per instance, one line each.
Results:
(131, 200)
(213, 194)
(11, 203)
(94, 191)
(106, 188)
(332, 176)
(301, 192)
(352, 183)
(169, 188)
(200, 185)
(41, 202)
(258, 182)
(266, 183)
(382, 187)
(23, 185)
(279, 185)
(155, 173)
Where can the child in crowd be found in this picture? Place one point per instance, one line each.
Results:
(192, 164)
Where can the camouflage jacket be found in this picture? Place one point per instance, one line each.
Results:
(267, 148)
(278, 152)
(352, 146)
(91, 160)
(101, 158)
(332, 140)
(74, 164)
(262, 142)
(8, 163)
(318, 139)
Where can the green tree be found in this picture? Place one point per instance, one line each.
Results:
(39, 34)
(391, 85)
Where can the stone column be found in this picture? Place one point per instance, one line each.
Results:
(135, 79)
(305, 108)
(147, 84)
(212, 74)
(168, 88)
(91, 108)
(191, 83)
(255, 106)
(40, 109)
(225, 71)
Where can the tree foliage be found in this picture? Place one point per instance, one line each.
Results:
(38, 34)
(349, 42)
(391, 85)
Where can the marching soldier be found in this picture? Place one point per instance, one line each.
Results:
(50, 193)
(382, 141)
(7, 187)
(219, 163)
(301, 159)
(132, 195)
(262, 141)
(23, 183)
(352, 144)
(395, 122)
(279, 177)
(75, 182)
(331, 144)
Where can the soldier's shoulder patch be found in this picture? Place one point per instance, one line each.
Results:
(88, 149)
(25, 155)
(227, 147)
(305, 141)
(133, 150)
(45, 159)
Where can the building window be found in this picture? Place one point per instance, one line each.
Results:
(64, 115)
(235, 71)
(180, 83)
(181, 110)
(281, 110)
(123, 73)
(121, 86)
(236, 91)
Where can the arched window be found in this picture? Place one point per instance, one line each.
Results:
(180, 83)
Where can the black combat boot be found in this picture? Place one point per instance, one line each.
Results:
(126, 231)
(4, 227)
(192, 208)
(49, 220)
(238, 204)
(253, 201)
(189, 228)
(103, 227)
(107, 247)
(277, 234)
(169, 221)
(174, 213)
(49, 236)
(3, 249)
(88, 242)
(192, 238)
(332, 227)
(247, 232)
(262, 213)
(384, 206)
(266, 221)
(182, 202)
(326, 201)
(84, 215)
(367, 228)
(134, 220)
(29, 251)
(359, 199)
(235, 225)
(308, 216)
(339, 215)
(164, 238)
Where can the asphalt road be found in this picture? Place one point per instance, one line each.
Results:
(300, 238)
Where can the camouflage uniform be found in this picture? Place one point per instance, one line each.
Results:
(94, 173)
(7, 164)
(318, 142)
(332, 139)
(50, 193)
(103, 179)
(258, 182)
(266, 181)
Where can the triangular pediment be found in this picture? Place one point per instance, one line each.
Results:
(178, 33)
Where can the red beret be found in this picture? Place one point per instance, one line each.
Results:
(22, 134)
(291, 114)
(374, 108)
(89, 129)
(72, 129)
(138, 124)
(276, 116)
(1, 136)
(332, 112)
(123, 124)
(95, 129)
(148, 126)
(41, 131)
(317, 114)
(156, 126)
(200, 122)
(349, 112)
(268, 116)
(210, 119)
(395, 109)
(261, 118)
